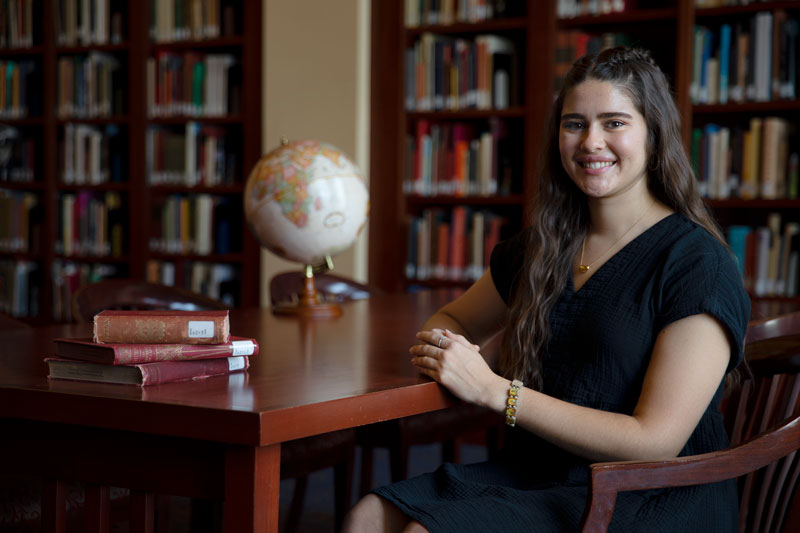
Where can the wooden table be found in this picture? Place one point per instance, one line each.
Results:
(216, 438)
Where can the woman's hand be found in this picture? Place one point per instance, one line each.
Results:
(456, 363)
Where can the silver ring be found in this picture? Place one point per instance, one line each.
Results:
(439, 344)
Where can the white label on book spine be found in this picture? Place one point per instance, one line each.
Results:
(243, 347)
(201, 329)
(235, 363)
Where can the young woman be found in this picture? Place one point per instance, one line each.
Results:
(622, 310)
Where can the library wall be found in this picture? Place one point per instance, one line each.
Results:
(315, 87)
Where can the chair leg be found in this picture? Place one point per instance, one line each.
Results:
(343, 482)
(97, 511)
(367, 458)
(54, 506)
(398, 459)
(296, 508)
(450, 451)
(142, 512)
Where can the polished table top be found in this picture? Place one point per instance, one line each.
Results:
(310, 377)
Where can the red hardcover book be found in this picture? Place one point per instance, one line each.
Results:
(132, 354)
(161, 327)
(144, 374)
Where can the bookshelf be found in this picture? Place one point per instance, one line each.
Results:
(484, 167)
(85, 194)
(551, 34)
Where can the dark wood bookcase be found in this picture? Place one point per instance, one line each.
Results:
(239, 38)
(666, 27)
(530, 27)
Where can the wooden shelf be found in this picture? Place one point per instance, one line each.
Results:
(233, 41)
(755, 7)
(623, 18)
(466, 114)
(494, 25)
(416, 202)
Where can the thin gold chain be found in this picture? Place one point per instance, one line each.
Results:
(583, 268)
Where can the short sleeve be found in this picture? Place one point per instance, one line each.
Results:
(701, 277)
(505, 263)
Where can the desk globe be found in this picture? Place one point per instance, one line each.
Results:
(306, 201)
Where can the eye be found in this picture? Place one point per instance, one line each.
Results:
(573, 125)
(615, 124)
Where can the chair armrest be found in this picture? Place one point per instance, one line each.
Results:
(609, 478)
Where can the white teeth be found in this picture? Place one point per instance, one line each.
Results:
(597, 164)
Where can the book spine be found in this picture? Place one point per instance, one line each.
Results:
(169, 371)
(133, 354)
(161, 329)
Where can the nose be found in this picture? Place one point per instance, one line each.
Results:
(593, 139)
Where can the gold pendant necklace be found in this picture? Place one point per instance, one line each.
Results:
(584, 268)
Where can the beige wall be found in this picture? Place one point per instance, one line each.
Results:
(315, 86)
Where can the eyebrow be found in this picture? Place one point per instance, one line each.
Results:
(611, 114)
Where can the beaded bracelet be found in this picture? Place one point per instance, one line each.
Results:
(511, 403)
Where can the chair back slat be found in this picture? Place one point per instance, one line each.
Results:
(788, 496)
(762, 490)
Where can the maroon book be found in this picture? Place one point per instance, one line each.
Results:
(161, 327)
(85, 349)
(147, 373)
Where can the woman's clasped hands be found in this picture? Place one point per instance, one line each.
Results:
(452, 360)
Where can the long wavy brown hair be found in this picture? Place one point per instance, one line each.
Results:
(560, 210)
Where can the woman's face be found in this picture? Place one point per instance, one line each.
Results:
(602, 140)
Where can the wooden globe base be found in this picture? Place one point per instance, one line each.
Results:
(308, 304)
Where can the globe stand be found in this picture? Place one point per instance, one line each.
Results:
(309, 303)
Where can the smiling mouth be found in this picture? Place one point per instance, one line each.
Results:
(597, 164)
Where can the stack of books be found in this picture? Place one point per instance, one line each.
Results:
(152, 347)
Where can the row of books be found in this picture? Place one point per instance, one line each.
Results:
(182, 20)
(768, 256)
(20, 221)
(91, 223)
(152, 347)
(753, 162)
(17, 155)
(89, 86)
(444, 12)
(451, 244)
(87, 22)
(446, 73)
(68, 276)
(20, 288)
(754, 60)
(572, 44)
(219, 281)
(16, 23)
(577, 8)
(197, 224)
(91, 155)
(192, 84)
(198, 155)
(458, 159)
(16, 100)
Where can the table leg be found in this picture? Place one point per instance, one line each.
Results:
(252, 488)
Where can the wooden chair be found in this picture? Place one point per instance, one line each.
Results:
(298, 458)
(9, 323)
(763, 419)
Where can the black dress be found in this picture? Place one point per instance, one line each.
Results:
(601, 340)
